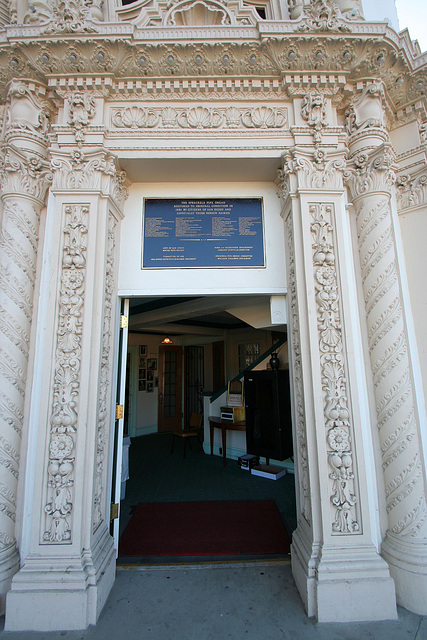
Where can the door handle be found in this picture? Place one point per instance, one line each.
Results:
(160, 398)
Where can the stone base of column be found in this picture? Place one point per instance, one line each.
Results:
(9, 565)
(62, 593)
(407, 561)
(348, 584)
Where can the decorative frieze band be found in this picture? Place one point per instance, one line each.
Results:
(66, 383)
(200, 118)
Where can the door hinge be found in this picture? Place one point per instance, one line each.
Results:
(123, 322)
(119, 411)
(114, 511)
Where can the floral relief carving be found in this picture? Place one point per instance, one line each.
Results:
(22, 173)
(317, 171)
(97, 171)
(371, 171)
(333, 366)
(105, 377)
(66, 384)
(200, 118)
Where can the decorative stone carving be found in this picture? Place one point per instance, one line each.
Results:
(95, 171)
(322, 15)
(37, 12)
(200, 118)
(22, 173)
(105, 381)
(371, 178)
(71, 16)
(295, 343)
(27, 112)
(313, 111)
(366, 109)
(411, 191)
(197, 13)
(81, 110)
(333, 365)
(372, 171)
(66, 385)
(24, 178)
(317, 172)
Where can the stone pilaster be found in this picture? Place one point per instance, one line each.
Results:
(371, 180)
(69, 569)
(25, 177)
(335, 561)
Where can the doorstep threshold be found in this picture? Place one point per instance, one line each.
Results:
(202, 564)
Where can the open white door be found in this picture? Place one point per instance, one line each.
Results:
(119, 423)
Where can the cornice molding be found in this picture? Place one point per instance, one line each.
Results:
(237, 53)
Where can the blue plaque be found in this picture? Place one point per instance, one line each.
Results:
(208, 232)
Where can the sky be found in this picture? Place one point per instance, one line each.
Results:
(413, 15)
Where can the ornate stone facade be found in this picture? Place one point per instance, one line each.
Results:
(212, 80)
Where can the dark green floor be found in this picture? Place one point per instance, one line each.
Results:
(156, 475)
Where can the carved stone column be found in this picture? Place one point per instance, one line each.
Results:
(335, 560)
(70, 565)
(398, 429)
(25, 177)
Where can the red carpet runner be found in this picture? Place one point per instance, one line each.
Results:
(249, 527)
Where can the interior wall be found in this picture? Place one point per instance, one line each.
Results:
(146, 403)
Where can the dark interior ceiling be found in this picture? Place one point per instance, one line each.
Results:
(164, 306)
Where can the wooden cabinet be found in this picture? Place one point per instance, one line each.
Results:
(268, 414)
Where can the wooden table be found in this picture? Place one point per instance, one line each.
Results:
(224, 425)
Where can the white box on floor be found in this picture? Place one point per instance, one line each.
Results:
(268, 471)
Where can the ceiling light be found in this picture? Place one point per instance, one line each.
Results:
(166, 340)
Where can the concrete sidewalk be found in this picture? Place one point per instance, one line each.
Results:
(256, 601)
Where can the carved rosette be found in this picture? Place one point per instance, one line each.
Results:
(66, 384)
(333, 367)
(371, 182)
(105, 378)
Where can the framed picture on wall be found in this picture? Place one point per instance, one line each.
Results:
(150, 375)
(142, 363)
(142, 385)
(142, 374)
(150, 387)
(142, 349)
(152, 363)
